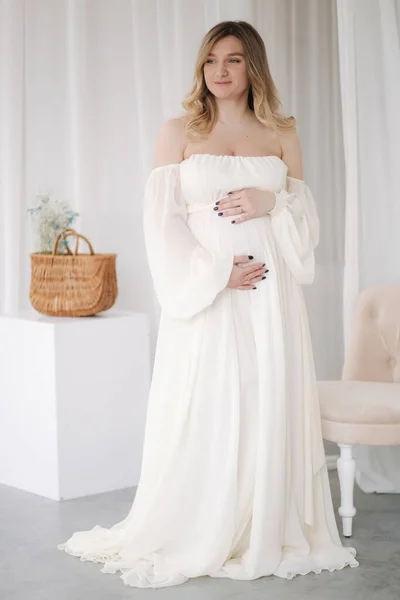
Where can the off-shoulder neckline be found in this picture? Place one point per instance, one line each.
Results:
(236, 156)
(198, 154)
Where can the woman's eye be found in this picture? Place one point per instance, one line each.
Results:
(232, 59)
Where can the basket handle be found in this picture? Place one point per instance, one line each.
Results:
(68, 249)
(67, 233)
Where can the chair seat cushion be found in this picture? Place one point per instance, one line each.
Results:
(360, 412)
(360, 401)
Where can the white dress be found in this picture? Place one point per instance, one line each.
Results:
(234, 482)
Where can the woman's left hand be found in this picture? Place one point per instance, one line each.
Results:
(246, 204)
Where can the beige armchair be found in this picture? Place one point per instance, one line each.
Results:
(364, 406)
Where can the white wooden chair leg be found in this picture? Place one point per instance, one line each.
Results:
(346, 466)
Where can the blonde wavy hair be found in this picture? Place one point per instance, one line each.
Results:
(263, 99)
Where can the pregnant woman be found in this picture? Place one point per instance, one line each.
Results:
(234, 481)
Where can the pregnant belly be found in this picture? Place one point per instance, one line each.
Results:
(216, 233)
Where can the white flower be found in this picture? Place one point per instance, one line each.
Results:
(49, 217)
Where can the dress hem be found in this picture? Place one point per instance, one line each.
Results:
(135, 578)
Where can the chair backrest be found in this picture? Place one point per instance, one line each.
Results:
(373, 353)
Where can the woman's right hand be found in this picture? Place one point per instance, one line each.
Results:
(245, 278)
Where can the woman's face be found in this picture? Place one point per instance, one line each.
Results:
(226, 63)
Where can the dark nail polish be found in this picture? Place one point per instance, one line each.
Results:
(220, 214)
(264, 264)
(264, 278)
(216, 208)
(267, 270)
(217, 202)
(250, 257)
(233, 221)
(254, 288)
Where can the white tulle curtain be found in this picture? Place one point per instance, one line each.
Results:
(370, 87)
(84, 88)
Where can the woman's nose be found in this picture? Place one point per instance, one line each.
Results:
(222, 70)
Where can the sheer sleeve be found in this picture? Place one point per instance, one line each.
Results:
(186, 276)
(295, 226)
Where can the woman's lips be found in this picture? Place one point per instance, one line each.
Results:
(222, 82)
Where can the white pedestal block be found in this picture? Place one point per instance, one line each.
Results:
(73, 400)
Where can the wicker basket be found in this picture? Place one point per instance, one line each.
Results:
(72, 284)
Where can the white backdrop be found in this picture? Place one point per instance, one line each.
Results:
(370, 84)
(85, 85)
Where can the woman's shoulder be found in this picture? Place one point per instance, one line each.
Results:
(175, 125)
(170, 143)
(291, 150)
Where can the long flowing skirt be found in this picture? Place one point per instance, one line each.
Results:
(234, 482)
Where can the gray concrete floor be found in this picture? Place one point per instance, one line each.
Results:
(31, 568)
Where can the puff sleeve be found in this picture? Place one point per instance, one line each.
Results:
(186, 276)
(295, 225)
